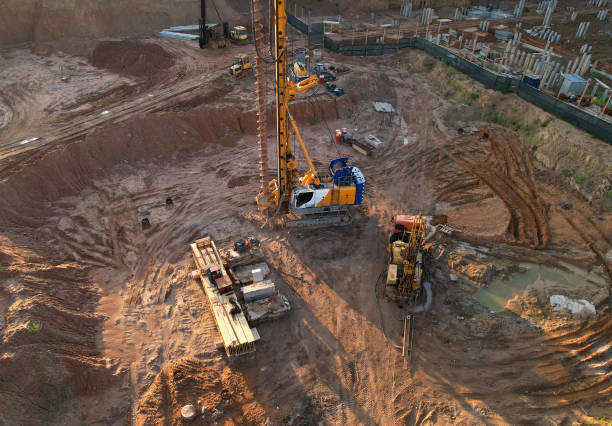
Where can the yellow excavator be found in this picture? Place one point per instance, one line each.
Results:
(300, 71)
(315, 200)
(238, 33)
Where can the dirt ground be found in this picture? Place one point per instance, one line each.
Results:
(110, 328)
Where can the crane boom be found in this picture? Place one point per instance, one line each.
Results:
(282, 124)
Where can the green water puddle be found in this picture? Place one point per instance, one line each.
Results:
(554, 280)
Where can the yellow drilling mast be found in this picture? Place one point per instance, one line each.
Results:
(287, 176)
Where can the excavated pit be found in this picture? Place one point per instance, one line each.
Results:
(101, 321)
(82, 282)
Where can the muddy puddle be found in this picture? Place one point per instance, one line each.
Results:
(539, 277)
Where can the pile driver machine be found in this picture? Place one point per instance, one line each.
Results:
(316, 201)
(405, 270)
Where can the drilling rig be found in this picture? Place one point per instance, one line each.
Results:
(315, 201)
(405, 269)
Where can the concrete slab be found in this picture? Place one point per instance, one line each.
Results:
(258, 290)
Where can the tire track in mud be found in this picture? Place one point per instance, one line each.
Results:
(495, 157)
(535, 375)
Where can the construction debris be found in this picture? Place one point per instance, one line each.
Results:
(188, 412)
(384, 107)
(373, 142)
(244, 274)
(268, 308)
(560, 303)
(233, 258)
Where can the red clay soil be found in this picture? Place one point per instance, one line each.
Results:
(102, 322)
(501, 162)
(42, 288)
(203, 383)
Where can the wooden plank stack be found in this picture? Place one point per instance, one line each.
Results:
(237, 336)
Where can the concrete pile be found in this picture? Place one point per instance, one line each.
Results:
(549, 11)
(545, 33)
(406, 10)
(518, 10)
(544, 5)
(582, 29)
(427, 16)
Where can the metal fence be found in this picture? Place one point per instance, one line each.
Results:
(597, 127)
(366, 50)
(297, 23)
(504, 83)
(589, 123)
(477, 72)
(315, 36)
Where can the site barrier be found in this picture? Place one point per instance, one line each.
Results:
(491, 79)
(297, 23)
(590, 123)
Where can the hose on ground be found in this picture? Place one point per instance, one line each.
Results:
(425, 306)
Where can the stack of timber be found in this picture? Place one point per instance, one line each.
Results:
(237, 336)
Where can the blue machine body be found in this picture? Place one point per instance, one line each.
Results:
(342, 175)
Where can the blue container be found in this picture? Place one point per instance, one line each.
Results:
(533, 80)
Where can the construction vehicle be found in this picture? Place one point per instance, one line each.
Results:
(222, 281)
(405, 269)
(330, 71)
(333, 89)
(242, 64)
(239, 33)
(316, 201)
(299, 71)
(361, 146)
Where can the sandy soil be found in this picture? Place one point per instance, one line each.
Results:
(114, 330)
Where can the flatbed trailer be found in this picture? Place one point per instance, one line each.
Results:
(237, 336)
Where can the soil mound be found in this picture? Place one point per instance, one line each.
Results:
(131, 58)
(216, 391)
